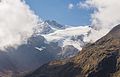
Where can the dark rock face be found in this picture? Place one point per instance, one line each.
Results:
(54, 24)
(100, 59)
(106, 66)
(65, 70)
(68, 51)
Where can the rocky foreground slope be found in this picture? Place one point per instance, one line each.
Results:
(100, 59)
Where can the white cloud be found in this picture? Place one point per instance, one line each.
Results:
(16, 22)
(70, 6)
(82, 5)
(106, 15)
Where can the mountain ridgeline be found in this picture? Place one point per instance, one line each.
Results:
(34, 53)
(100, 59)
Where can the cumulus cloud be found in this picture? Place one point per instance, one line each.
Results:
(106, 15)
(70, 6)
(82, 5)
(17, 22)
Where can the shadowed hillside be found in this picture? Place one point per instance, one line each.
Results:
(100, 59)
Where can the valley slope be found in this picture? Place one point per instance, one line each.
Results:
(100, 59)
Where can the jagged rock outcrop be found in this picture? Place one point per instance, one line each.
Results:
(100, 59)
(68, 51)
(54, 24)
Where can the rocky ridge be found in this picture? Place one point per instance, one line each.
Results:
(100, 59)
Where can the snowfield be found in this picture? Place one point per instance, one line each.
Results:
(65, 37)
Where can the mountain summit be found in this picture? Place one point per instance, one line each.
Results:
(100, 59)
(54, 24)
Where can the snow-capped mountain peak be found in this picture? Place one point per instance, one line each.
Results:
(48, 26)
(54, 24)
(69, 36)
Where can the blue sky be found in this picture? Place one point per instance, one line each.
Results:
(58, 10)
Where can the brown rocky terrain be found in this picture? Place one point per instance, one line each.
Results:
(100, 59)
